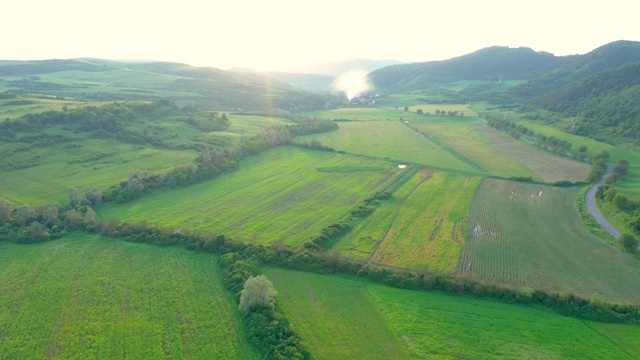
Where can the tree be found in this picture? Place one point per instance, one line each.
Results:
(628, 242)
(620, 201)
(38, 232)
(50, 215)
(582, 148)
(406, 108)
(419, 112)
(6, 210)
(257, 291)
(24, 214)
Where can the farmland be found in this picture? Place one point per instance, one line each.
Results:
(285, 194)
(531, 236)
(466, 138)
(330, 312)
(420, 226)
(97, 162)
(380, 139)
(82, 162)
(85, 296)
(550, 167)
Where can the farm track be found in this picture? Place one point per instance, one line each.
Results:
(593, 209)
(393, 220)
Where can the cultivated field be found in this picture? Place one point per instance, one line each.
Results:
(286, 194)
(85, 296)
(330, 314)
(421, 225)
(465, 138)
(366, 114)
(528, 235)
(461, 109)
(392, 140)
(549, 167)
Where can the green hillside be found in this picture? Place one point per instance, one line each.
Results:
(205, 88)
(493, 63)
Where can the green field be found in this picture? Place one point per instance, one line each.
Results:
(428, 226)
(342, 318)
(468, 141)
(549, 167)
(421, 225)
(85, 296)
(392, 140)
(366, 114)
(95, 162)
(532, 236)
(286, 194)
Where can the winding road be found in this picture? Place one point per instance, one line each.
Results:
(591, 205)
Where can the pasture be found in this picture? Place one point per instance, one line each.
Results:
(86, 296)
(282, 195)
(330, 313)
(392, 140)
(531, 236)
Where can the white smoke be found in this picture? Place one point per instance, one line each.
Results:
(353, 83)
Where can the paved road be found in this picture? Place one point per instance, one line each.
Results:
(591, 205)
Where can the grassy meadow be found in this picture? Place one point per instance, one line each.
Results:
(50, 171)
(340, 318)
(85, 296)
(467, 140)
(527, 235)
(392, 140)
(282, 195)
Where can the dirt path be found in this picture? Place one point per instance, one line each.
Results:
(593, 209)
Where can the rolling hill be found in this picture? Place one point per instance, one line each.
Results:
(492, 63)
(205, 88)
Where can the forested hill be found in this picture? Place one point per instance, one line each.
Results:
(205, 88)
(604, 58)
(492, 63)
(607, 102)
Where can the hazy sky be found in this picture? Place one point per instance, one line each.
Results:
(277, 34)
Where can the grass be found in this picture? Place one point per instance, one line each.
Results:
(467, 140)
(549, 167)
(420, 226)
(282, 195)
(365, 114)
(533, 236)
(431, 109)
(428, 230)
(330, 314)
(52, 170)
(85, 296)
(392, 140)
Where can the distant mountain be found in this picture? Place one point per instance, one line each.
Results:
(203, 87)
(337, 68)
(604, 58)
(492, 63)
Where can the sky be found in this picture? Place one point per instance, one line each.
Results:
(288, 35)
